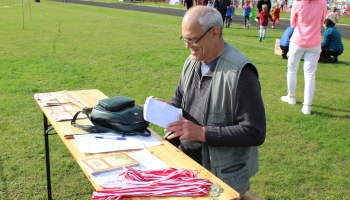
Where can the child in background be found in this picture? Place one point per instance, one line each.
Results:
(282, 6)
(263, 18)
(276, 15)
(210, 4)
(285, 40)
(246, 12)
(252, 14)
(229, 14)
(235, 3)
(233, 8)
(333, 15)
(342, 9)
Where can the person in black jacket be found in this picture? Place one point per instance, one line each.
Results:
(268, 3)
(222, 6)
(259, 5)
(189, 4)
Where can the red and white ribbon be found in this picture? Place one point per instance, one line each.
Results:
(157, 183)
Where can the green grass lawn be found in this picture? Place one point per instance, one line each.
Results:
(71, 47)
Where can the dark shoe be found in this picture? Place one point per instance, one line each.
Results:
(260, 39)
(335, 59)
(323, 59)
(284, 56)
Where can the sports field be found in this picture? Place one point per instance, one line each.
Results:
(53, 46)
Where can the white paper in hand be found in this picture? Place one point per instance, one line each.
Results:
(160, 113)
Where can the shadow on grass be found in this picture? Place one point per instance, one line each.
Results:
(331, 109)
(78, 196)
(342, 62)
(345, 115)
(333, 63)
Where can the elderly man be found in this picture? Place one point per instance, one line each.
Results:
(223, 120)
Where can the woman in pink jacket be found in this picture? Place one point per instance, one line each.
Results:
(307, 17)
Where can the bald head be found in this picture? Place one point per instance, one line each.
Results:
(206, 17)
(202, 33)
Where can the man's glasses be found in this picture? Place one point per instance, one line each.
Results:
(194, 43)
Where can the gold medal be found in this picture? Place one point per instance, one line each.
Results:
(215, 190)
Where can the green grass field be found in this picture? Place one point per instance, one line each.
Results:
(71, 47)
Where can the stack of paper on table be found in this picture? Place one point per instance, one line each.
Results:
(108, 163)
(61, 105)
(146, 159)
(52, 98)
(88, 143)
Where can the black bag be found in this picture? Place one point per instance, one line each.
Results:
(116, 114)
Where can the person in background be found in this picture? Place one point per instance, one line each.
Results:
(307, 18)
(229, 14)
(189, 4)
(259, 5)
(235, 3)
(284, 42)
(252, 14)
(285, 4)
(275, 15)
(332, 44)
(333, 15)
(268, 3)
(263, 18)
(223, 120)
(282, 5)
(210, 3)
(342, 9)
(246, 12)
(222, 6)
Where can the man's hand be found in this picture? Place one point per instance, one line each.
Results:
(186, 130)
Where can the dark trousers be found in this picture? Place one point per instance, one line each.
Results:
(223, 13)
(189, 4)
(246, 21)
(327, 53)
(285, 50)
(227, 20)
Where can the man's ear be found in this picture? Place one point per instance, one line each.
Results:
(216, 32)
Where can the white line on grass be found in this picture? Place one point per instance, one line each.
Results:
(249, 44)
(13, 5)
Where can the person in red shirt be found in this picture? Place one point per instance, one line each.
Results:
(263, 18)
(276, 15)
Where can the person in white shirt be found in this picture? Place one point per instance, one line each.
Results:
(333, 15)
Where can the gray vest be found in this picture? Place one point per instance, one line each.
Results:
(233, 165)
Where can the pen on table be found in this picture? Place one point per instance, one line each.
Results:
(110, 137)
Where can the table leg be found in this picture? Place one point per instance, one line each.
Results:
(47, 156)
